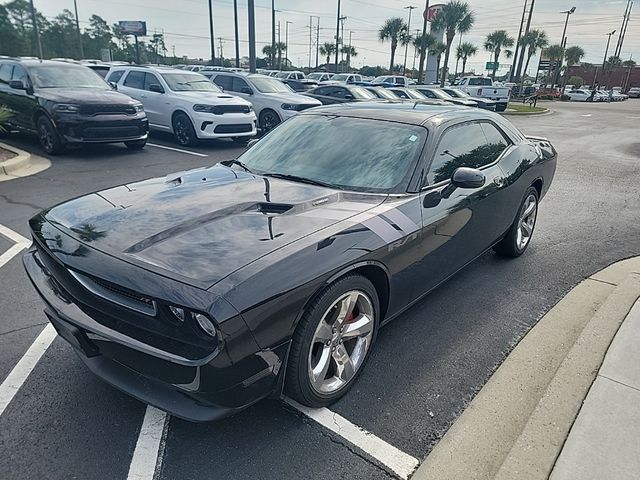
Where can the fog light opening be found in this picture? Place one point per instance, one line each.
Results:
(205, 324)
(178, 313)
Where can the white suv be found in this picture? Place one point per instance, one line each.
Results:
(186, 104)
(272, 100)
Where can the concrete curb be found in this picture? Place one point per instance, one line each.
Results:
(524, 114)
(517, 424)
(20, 161)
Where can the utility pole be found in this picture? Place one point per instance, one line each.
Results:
(415, 52)
(286, 41)
(273, 33)
(237, 38)
(75, 7)
(349, 52)
(606, 52)
(518, 46)
(406, 47)
(211, 37)
(279, 49)
(342, 20)
(624, 34)
(221, 44)
(624, 19)
(337, 36)
(35, 29)
(310, 38)
(526, 31)
(422, 47)
(563, 42)
(252, 35)
(457, 57)
(317, 43)
(626, 83)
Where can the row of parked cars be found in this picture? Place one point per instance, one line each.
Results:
(585, 94)
(66, 103)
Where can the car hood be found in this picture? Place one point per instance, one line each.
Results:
(204, 224)
(293, 98)
(84, 96)
(219, 98)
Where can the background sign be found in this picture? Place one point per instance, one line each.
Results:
(135, 27)
(430, 14)
(492, 65)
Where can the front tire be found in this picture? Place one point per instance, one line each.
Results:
(268, 120)
(332, 342)
(48, 136)
(183, 130)
(136, 144)
(519, 235)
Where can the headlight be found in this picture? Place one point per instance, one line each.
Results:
(251, 108)
(67, 108)
(139, 107)
(204, 108)
(289, 106)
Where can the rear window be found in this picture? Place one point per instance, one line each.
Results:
(115, 76)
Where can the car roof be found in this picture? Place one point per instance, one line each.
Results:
(34, 61)
(407, 112)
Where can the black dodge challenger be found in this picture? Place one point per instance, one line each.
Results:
(207, 290)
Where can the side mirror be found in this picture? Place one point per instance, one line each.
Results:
(348, 96)
(155, 87)
(114, 85)
(17, 85)
(464, 177)
(252, 142)
(246, 90)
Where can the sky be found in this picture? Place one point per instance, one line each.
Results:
(186, 28)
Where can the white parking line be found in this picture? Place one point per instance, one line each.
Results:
(400, 463)
(150, 446)
(20, 244)
(177, 150)
(23, 368)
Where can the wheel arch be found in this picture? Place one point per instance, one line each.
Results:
(538, 184)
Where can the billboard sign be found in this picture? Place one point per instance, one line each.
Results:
(133, 27)
(433, 10)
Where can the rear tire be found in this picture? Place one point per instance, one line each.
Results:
(183, 130)
(48, 136)
(519, 236)
(136, 144)
(501, 107)
(333, 342)
(268, 120)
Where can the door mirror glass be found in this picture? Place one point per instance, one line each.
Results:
(17, 85)
(348, 96)
(156, 87)
(465, 177)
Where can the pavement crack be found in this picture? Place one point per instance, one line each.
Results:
(23, 328)
(10, 201)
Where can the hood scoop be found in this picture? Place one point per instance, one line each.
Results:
(273, 208)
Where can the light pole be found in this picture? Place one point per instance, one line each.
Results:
(286, 41)
(235, 24)
(422, 47)
(604, 60)
(252, 35)
(273, 34)
(406, 47)
(337, 36)
(211, 37)
(563, 41)
(75, 8)
(35, 28)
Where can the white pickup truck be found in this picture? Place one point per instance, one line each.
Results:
(484, 87)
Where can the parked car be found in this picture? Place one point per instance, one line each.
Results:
(384, 93)
(397, 80)
(439, 94)
(484, 87)
(297, 85)
(68, 104)
(186, 104)
(580, 95)
(291, 75)
(634, 92)
(330, 94)
(272, 100)
(480, 102)
(349, 78)
(274, 272)
(319, 77)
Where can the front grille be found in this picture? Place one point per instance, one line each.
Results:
(116, 294)
(304, 107)
(222, 109)
(97, 133)
(107, 109)
(237, 128)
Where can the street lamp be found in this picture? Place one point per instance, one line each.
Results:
(406, 47)
(563, 41)
(604, 60)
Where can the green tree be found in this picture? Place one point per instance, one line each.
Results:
(573, 55)
(455, 16)
(464, 51)
(554, 53)
(495, 43)
(350, 52)
(426, 42)
(533, 40)
(327, 49)
(97, 37)
(61, 38)
(576, 81)
(10, 38)
(629, 63)
(394, 30)
(437, 49)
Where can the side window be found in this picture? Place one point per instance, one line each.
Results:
(5, 73)
(115, 76)
(460, 146)
(323, 91)
(20, 73)
(150, 78)
(238, 84)
(496, 141)
(339, 92)
(428, 93)
(401, 94)
(135, 80)
(223, 81)
(299, 76)
(474, 81)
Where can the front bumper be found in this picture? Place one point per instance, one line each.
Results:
(228, 125)
(102, 128)
(195, 390)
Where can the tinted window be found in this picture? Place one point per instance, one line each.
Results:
(135, 80)
(19, 73)
(480, 81)
(324, 90)
(5, 73)
(338, 92)
(400, 93)
(461, 146)
(115, 76)
(238, 84)
(495, 139)
(315, 147)
(223, 81)
(428, 93)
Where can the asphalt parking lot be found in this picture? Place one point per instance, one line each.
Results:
(426, 366)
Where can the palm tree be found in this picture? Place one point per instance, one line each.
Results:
(555, 54)
(494, 43)
(466, 50)
(533, 39)
(350, 52)
(426, 42)
(437, 49)
(629, 63)
(327, 49)
(395, 31)
(573, 55)
(454, 17)
(613, 62)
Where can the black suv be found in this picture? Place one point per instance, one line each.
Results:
(68, 104)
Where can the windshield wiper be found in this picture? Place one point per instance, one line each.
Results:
(228, 163)
(296, 178)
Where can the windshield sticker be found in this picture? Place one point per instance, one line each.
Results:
(413, 138)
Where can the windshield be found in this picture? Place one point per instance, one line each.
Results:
(440, 94)
(189, 82)
(339, 151)
(362, 93)
(282, 75)
(62, 76)
(269, 85)
(415, 94)
(340, 77)
(381, 80)
(456, 93)
(383, 93)
(315, 76)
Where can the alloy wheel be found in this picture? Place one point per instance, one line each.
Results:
(181, 130)
(269, 121)
(46, 138)
(527, 221)
(341, 342)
